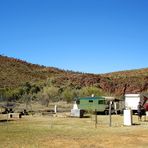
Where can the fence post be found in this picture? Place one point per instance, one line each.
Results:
(110, 110)
(96, 121)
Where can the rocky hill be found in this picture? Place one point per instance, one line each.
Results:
(131, 81)
(14, 73)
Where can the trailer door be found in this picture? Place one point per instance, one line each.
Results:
(101, 105)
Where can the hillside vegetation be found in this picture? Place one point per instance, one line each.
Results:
(128, 73)
(14, 72)
(19, 78)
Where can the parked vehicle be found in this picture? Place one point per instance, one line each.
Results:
(99, 104)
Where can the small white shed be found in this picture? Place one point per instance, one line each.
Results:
(132, 101)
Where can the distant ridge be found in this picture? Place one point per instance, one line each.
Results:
(129, 73)
(15, 72)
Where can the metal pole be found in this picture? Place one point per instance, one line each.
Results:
(110, 108)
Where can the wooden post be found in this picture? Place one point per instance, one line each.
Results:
(110, 110)
(55, 109)
(96, 118)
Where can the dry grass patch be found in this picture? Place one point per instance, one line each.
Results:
(55, 132)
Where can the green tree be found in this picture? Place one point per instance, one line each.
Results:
(34, 89)
(89, 90)
(27, 87)
(69, 94)
(49, 94)
(27, 99)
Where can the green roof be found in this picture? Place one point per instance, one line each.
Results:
(91, 98)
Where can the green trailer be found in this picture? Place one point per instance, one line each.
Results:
(99, 104)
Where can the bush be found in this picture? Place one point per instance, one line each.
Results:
(89, 90)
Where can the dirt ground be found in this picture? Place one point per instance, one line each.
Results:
(117, 136)
(62, 131)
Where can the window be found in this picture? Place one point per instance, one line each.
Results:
(78, 101)
(101, 102)
(91, 101)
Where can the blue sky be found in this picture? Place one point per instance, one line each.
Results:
(94, 36)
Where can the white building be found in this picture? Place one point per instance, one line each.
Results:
(132, 101)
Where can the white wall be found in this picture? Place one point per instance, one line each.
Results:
(132, 101)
